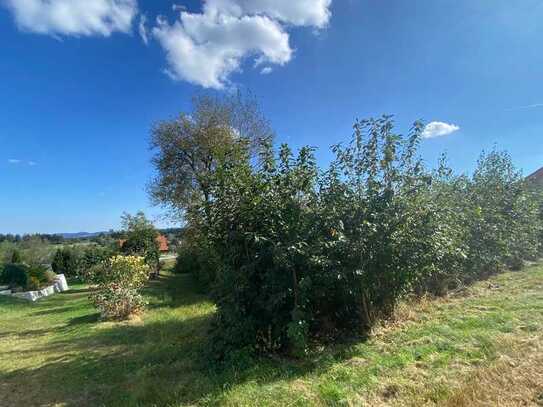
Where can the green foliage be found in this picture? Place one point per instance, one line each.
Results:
(189, 148)
(16, 257)
(141, 239)
(293, 254)
(119, 280)
(14, 275)
(35, 250)
(197, 256)
(92, 256)
(66, 261)
(26, 277)
(40, 274)
(117, 302)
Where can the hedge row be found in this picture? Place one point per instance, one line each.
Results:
(293, 254)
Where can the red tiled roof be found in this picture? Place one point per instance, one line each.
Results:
(162, 243)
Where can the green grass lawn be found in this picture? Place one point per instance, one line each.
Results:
(56, 352)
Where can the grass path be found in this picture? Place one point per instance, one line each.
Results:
(482, 348)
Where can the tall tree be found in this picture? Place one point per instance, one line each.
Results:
(188, 148)
(141, 238)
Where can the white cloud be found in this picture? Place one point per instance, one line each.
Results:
(206, 48)
(266, 70)
(142, 29)
(74, 17)
(16, 161)
(438, 129)
(315, 13)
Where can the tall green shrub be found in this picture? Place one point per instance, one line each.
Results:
(66, 261)
(16, 257)
(14, 275)
(292, 254)
(502, 217)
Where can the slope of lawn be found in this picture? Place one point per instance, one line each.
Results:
(483, 346)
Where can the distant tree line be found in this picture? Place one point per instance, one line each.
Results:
(15, 238)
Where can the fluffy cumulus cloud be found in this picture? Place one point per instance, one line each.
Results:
(74, 17)
(203, 48)
(438, 129)
(206, 48)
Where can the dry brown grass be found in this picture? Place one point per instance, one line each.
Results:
(515, 380)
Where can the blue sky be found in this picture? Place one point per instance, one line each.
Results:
(81, 84)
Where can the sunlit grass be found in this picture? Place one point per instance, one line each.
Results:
(57, 352)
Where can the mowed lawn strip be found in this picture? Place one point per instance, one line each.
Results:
(463, 350)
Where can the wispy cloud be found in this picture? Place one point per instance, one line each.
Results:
(16, 161)
(535, 105)
(439, 129)
(142, 29)
(266, 70)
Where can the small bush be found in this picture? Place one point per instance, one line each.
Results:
(117, 302)
(14, 275)
(32, 284)
(119, 281)
(39, 276)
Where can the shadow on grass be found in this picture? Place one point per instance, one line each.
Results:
(49, 311)
(154, 364)
(160, 362)
(85, 319)
(85, 290)
(173, 291)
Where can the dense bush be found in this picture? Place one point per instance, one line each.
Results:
(26, 277)
(119, 280)
(91, 257)
(16, 257)
(197, 256)
(14, 275)
(38, 277)
(293, 254)
(66, 261)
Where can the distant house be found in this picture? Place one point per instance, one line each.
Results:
(162, 241)
(536, 177)
(163, 246)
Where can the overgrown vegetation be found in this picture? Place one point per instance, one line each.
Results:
(66, 262)
(140, 238)
(20, 276)
(481, 346)
(293, 253)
